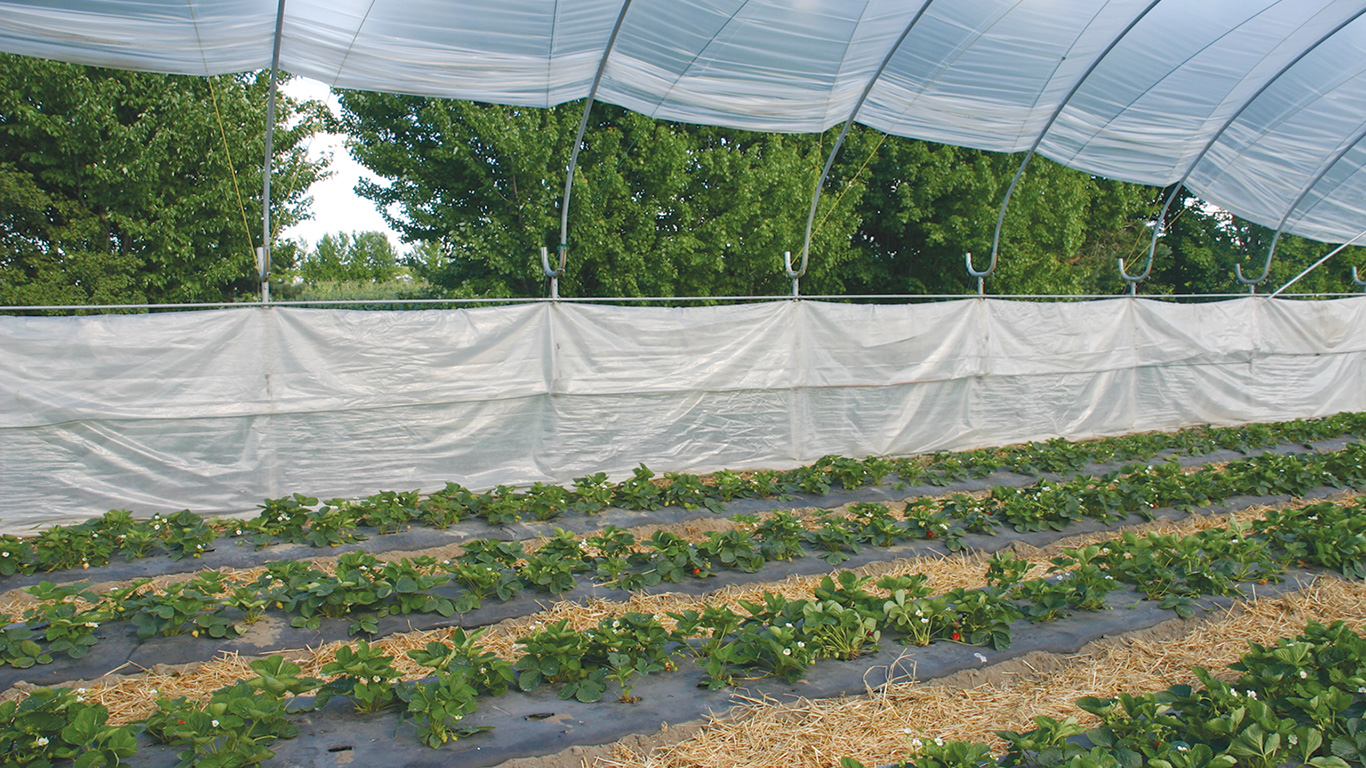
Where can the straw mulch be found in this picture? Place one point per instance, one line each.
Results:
(877, 729)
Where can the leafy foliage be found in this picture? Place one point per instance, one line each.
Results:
(122, 187)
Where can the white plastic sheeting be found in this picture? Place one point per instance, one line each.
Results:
(1267, 95)
(216, 411)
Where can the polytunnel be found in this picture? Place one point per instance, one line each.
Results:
(1254, 106)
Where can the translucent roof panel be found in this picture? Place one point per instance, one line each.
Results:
(1258, 104)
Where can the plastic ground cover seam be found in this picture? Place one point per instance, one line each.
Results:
(538, 724)
(227, 554)
(119, 649)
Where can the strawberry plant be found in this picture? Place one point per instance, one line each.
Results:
(1005, 570)
(235, 727)
(50, 725)
(919, 619)
(185, 534)
(481, 581)
(59, 548)
(836, 538)
(983, 617)
(362, 674)
(639, 491)
(846, 589)
(281, 519)
(332, 525)
(16, 555)
(637, 635)
(623, 669)
(551, 571)
(836, 631)
(439, 706)
(386, 511)
(492, 551)
(546, 502)
(1050, 743)
(191, 606)
(689, 492)
(674, 557)
(19, 647)
(592, 494)
(560, 655)
(68, 627)
(406, 586)
(732, 549)
(780, 536)
(874, 524)
(728, 484)
(448, 506)
(140, 541)
(488, 673)
(924, 522)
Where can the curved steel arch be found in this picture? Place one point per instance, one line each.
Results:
(1010, 191)
(1271, 252)
(562, 250)
(1176, 188)
(800, 272)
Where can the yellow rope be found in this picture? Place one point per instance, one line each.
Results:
(232, 171)
(848, 185)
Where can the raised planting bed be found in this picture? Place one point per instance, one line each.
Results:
(771, 647)
(299, 526)
(495, 580)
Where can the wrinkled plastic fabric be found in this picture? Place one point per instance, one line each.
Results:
(1256, 102)
(216, 411)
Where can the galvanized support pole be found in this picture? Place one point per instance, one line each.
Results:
(800, 272)
(563, 248)
(1010, 191)
(1271, 253)
(1319, 263)
(263, 252)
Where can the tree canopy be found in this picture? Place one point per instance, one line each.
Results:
(670, 209)
(121, 187)
(125, 187)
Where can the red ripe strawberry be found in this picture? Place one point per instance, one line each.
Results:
(956, 636)
(929, 534)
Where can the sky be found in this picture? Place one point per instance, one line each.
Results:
(336, 206)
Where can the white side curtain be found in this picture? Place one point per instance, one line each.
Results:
(216, 411)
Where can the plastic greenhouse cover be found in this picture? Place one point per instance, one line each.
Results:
(1258, 103)
(217, 411)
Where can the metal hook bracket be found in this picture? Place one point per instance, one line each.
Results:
(554, 274)
(794, 275)
(1266, 268)
(980, 275)
(1357, 279)
(1134, 280)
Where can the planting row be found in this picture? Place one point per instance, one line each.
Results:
(304, 520)
(780, 637)
(366, 590)
(1299, 702)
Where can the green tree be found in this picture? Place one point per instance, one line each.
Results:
(1201, 245)
(358, 256)
(676, 210)
(658, 208)
(123, 187)
(929, 204)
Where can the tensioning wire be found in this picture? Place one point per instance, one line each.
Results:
(232, 171)
(848, 185)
